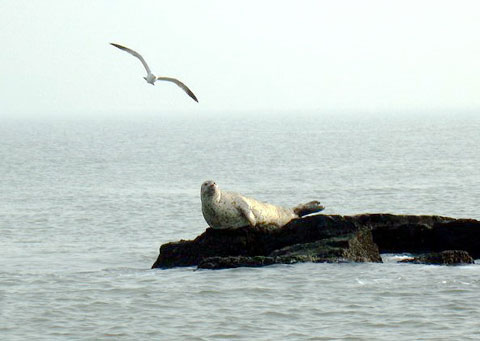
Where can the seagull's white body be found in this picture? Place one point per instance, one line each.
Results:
(151, 78)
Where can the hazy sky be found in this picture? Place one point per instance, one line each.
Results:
(239, 55)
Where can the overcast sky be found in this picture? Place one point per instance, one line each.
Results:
(239, 55)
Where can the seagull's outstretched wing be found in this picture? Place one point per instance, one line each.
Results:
(134, 53)
(180, 84)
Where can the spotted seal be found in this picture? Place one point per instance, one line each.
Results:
(227, 210)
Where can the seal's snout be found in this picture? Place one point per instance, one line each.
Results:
(212, 187)
(209, 187)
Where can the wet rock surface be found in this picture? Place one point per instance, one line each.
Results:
(323, 238)
(423, 234)
(447, 257)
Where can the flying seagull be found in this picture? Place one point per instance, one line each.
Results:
(151, 78)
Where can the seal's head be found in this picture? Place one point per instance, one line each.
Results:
(210, 190)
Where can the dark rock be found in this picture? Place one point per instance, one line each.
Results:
(235, 262)
(324, 238)
(355, 247)
(352, 247)
(423, 234)
(460, 234)
(447, 257)
(348, 241)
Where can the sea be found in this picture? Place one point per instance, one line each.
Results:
(86, 202)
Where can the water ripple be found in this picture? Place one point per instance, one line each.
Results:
(86, 205)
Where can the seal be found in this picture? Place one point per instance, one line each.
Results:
(228, 210)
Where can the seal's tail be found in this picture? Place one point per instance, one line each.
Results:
(308, 208)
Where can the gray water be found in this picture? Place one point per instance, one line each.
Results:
(86, 203)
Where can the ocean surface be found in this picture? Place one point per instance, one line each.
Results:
(85, 204)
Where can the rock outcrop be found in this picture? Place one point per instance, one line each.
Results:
(323, 238)
(423, 234)
(447, 257)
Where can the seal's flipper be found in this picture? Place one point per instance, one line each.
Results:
(251, 218)
(245, 210)
(308, 208)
